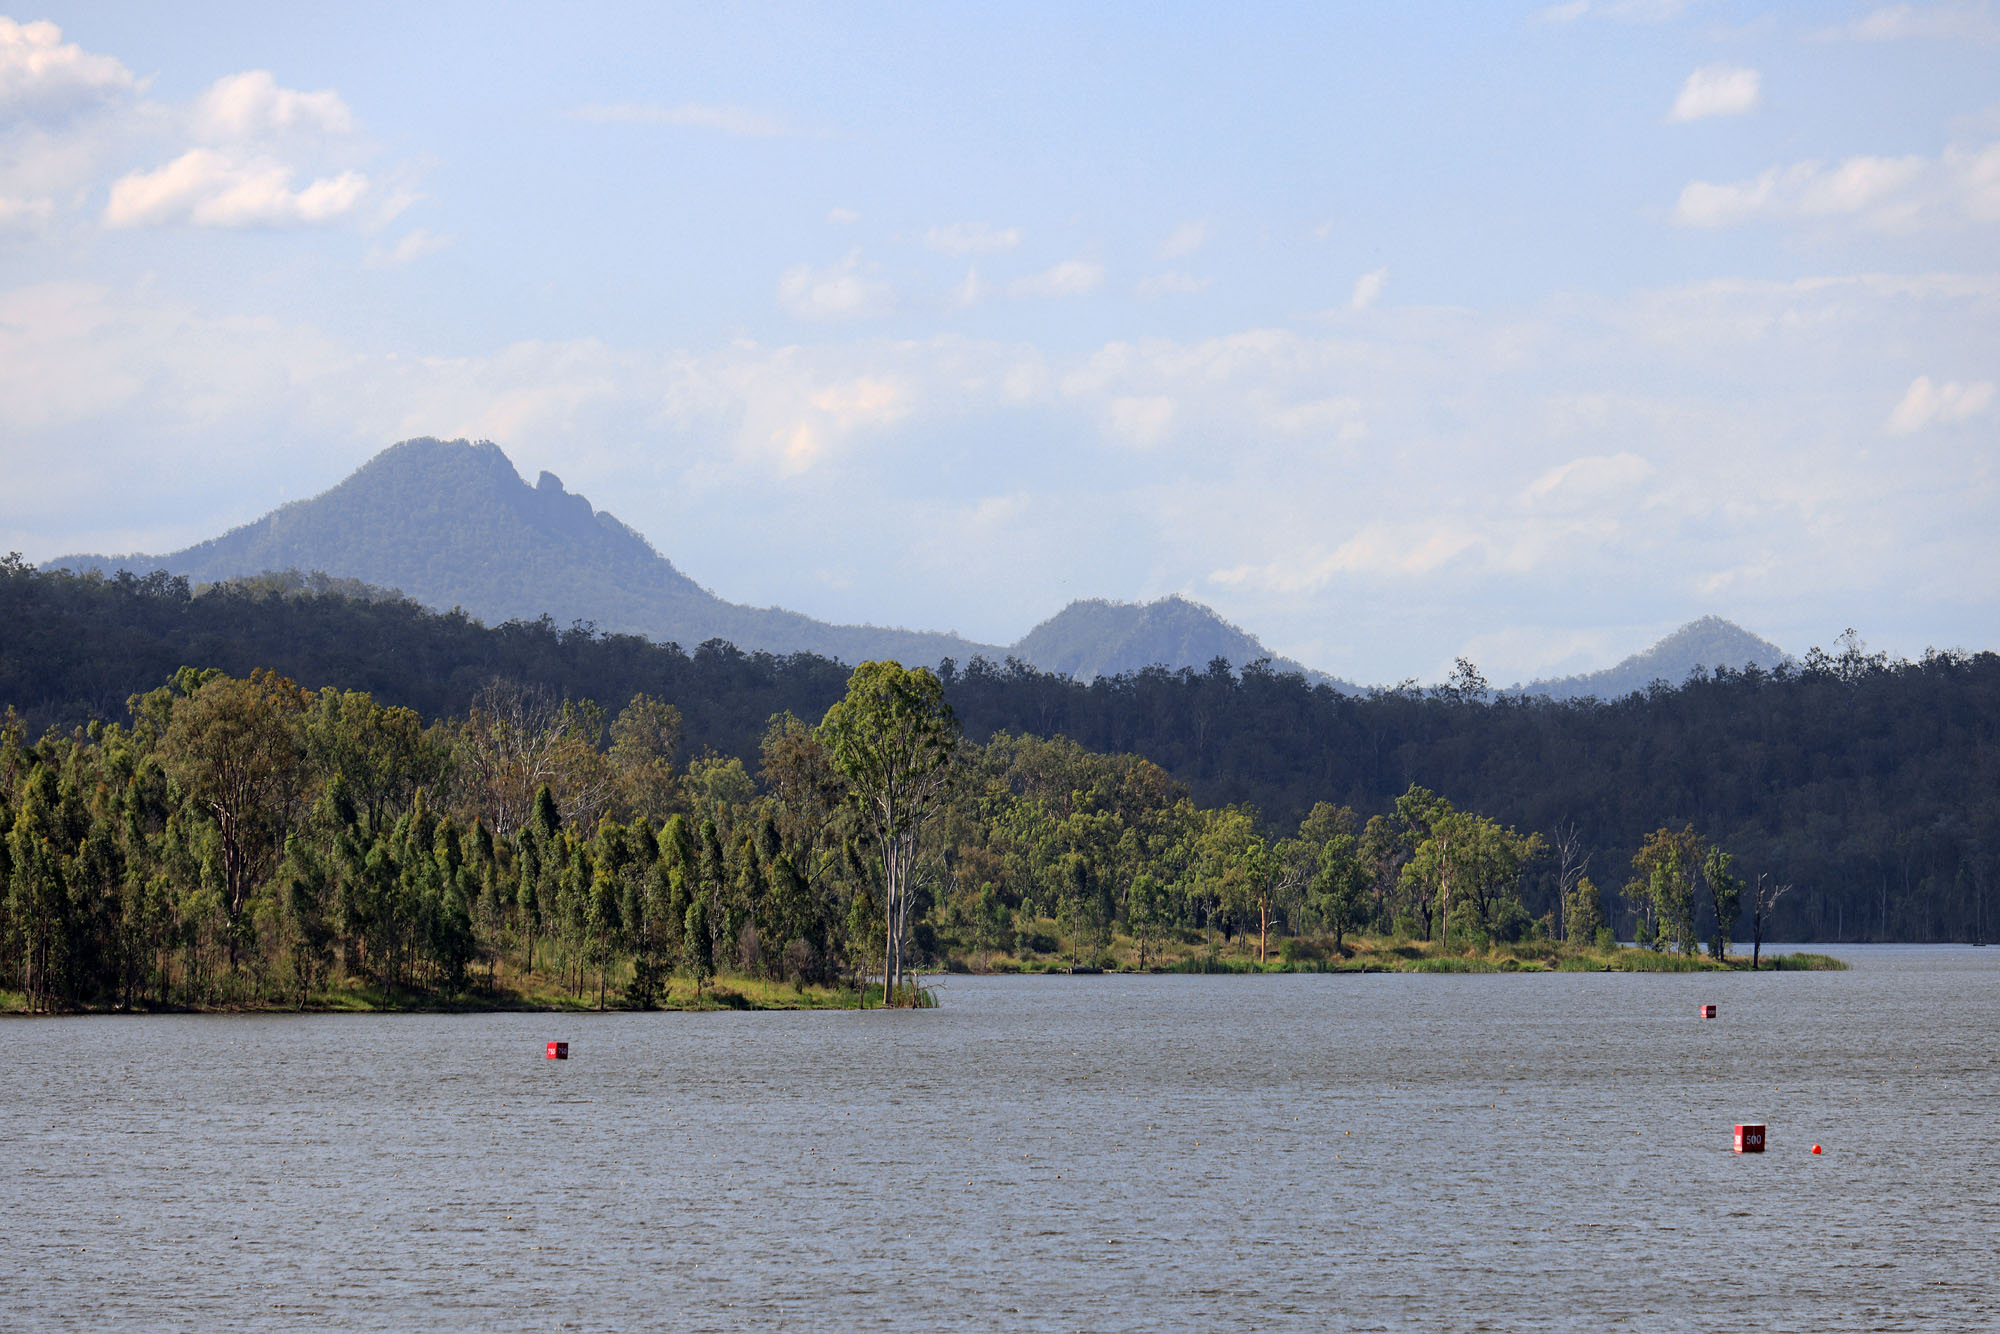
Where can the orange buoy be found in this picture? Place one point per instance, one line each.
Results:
(1815, 1148)
(1749, 1139)
(558, 1051)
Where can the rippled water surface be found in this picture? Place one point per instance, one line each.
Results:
(1362, 1152)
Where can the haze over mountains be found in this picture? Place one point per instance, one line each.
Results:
(452, 524)
(1708, 642)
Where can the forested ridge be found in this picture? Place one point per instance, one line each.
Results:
(1867, 785)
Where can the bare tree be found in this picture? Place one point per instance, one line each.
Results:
(1761, 903)
(1572, 860)
(516, 739)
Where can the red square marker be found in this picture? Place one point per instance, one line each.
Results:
(1708, 1012)
(1749, 1139)
(558, 1051)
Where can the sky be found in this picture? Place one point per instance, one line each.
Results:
(1395, 333)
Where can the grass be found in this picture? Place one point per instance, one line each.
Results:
(513, 989)
(1190, 952)
(1800, 962)
(533, 992)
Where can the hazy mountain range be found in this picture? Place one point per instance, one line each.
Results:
(1709, 642)
(452, 524)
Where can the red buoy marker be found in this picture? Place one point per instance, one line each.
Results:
(1749, 1139)
(1815, 1148)
(1708, 1012)
(558, 1051)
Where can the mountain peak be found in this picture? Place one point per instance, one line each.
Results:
(1094, 637)
(1707, 642)
(452, 523)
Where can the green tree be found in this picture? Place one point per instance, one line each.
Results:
(1725, 899)
(1149, 909)
(38, 898)
(1426, 835)
(1663, 885)
(1583, 912)
(237, 748)
(645, 736)
(891, 739)
(697, 947)
(1340, 884)
(604, 923)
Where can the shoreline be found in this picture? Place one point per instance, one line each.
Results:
(742, 993)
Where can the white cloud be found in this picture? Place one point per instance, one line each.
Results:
(1378, 550)
(206, 188)
(1143, 422)
(833, 413)
(971, 291)
(1184, 240)
(1722, 436)
(246, 152)
(1927, 404)
(1072, 277)
(1888, 194)
(1716, 90)
(1628, 11)
(1974, 174)
(972, 238)
(1952, 22)
(842, 217)
(1589, 479)
(252, 105)
(17, 213)
(727, 119)
(1174, 284)
(1367, 288)
(413, 245)
(44, 77)
(1339, 420)
(844, 291)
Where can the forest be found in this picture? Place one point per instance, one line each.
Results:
(249, 841)
(1144, 806)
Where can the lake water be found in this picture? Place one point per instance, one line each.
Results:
(1365, 1152)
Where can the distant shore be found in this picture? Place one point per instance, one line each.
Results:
(535, 994)
(1377, 954)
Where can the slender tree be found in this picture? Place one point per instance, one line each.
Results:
(892, 738)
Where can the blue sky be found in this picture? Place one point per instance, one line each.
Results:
(1395, 333)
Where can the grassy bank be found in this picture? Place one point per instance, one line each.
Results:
(530, 992)
(1190, 953)
(540, 992)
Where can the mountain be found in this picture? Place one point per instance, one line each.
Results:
(1094, 638)
(1709, 642)
(452, 524)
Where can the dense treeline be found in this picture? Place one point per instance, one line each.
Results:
(1872, 787)
(245, 840)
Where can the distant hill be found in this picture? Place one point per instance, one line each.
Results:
(1710, 642)
(452, 524)
(1094, 638)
